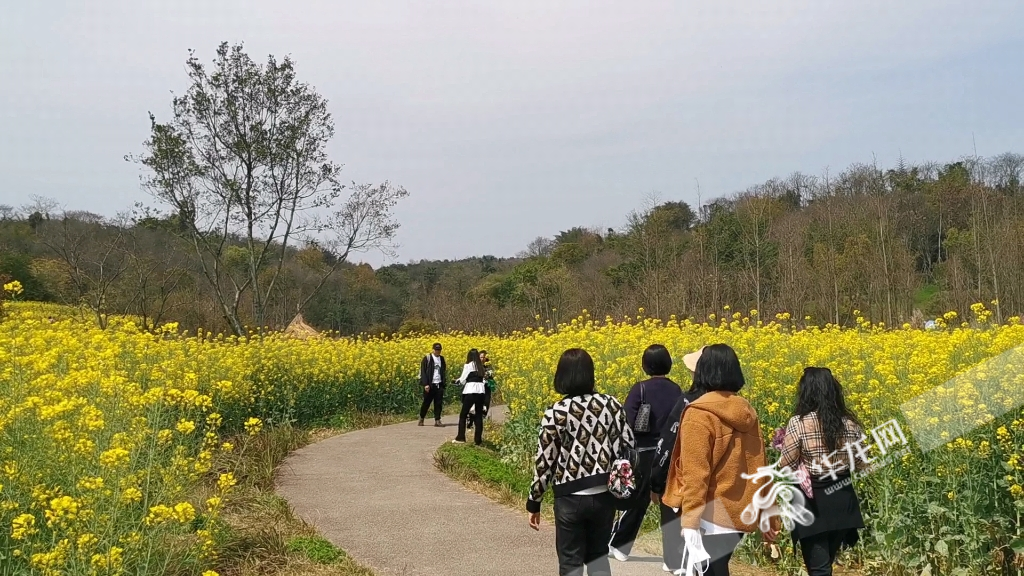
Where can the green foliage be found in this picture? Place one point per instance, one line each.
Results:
(411, 326)
(482, 464)
(19, 267)
(677, 216)
(316, 549)
(925, 298)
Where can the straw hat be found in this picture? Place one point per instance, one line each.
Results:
(690, 360)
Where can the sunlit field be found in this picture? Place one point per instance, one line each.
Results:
(106, 434)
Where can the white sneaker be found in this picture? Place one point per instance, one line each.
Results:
(665, 568)
(617, 554)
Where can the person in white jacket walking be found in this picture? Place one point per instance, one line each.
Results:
(474, 393)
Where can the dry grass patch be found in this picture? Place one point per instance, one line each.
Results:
(258, 534)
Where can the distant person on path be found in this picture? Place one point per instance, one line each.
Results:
(719, 440)
(489, 384)
(433, 371)
(473, 393)
(823, 424)
(580, 437)
(655, 397)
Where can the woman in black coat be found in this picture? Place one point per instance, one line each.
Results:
(649, 407)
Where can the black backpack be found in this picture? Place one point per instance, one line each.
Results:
(663, 453)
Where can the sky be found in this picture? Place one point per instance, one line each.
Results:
(511, 120)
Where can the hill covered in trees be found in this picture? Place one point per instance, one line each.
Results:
(897, 244)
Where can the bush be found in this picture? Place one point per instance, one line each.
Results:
(316, 549)
(418, 326)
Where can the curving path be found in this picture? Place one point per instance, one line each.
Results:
(376, 494)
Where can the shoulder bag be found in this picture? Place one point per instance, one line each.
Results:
(643, 414)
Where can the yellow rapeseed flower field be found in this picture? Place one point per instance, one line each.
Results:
(106, 433)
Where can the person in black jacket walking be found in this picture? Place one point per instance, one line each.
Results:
(433, 372)
(663, 460)
(652, 400)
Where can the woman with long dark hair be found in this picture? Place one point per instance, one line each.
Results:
(719, 441)
(473, 395)
(818, 436)
(580, 437)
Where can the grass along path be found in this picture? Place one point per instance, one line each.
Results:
(376, 494)
(259, 535)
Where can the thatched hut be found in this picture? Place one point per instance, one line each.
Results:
(299, 329)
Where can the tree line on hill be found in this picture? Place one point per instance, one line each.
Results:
(251, 224)
(899, 245)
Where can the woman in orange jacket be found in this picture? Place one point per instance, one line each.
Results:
(719, 441)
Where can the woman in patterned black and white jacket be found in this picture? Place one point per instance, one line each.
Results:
(580, 436)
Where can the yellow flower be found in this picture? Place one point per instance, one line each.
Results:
(164, 437)
(184, 512)
(114, 458)
(86, 542)
(213, 504)
(159, 514)
(253, 426)
(226, 481)
(91, 483)
(131, 495)
(112, 561)
(62, 510)
(23, 526)
(185, 426)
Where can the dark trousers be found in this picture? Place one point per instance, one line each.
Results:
(820, 551)
(583, 525)
(475, 401)
(720, 547)
(436, 395)
(487, 407)
(627, 527)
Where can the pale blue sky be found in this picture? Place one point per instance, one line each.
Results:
(541, 115)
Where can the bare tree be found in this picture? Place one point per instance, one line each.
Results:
(363, 223)
(41, 205)
(538, 248)
(95, 260)
(154, 274)
(243, 164)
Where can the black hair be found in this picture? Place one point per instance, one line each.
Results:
(820, 392)
(574, 375)
(473, 357)
(718, 370)
(436, 346)
(656, 360)
(697, 388)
